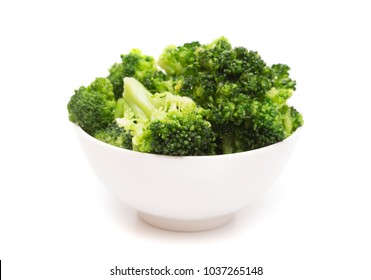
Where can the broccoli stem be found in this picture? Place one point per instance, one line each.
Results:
(138, 98)
(227, 145)
(119, 110)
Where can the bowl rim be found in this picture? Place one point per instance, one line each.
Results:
(86, 135)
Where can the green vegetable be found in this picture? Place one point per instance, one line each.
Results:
(245, 97)
(116, 136)
(199, 99)
(164, 123)
(93, 107)
(134, 64)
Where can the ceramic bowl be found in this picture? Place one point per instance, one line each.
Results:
(186, 193)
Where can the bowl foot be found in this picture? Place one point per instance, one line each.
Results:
(185, 225)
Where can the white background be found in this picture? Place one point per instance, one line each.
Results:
(58, 222)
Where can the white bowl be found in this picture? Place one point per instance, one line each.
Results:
(186, 193)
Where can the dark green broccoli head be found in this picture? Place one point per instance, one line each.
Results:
(164, 123)
(213, 57)
(177, 60)
(207, 99)
(291, 119)
(281, 77)
(268, 123)
(244, 97)
(181, 135)
(116, 73)
(93, 107)
(116, 136)
(135, 64)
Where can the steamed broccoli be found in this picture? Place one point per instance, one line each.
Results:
(93, 107)
(164, 123)
(176, 60)
(116, 136)
(135, 64)
(198, 99)
(245, 98)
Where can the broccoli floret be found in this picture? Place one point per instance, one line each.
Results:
(164, 123)
(281, 78)
(135, 64)
(207, 99)
(244, 97)
(116, 136)
(177, 60)
(116, 73)
(263, 126)
(93, 107)
(291, 119)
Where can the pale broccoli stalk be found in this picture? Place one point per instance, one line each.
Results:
(164, 123)
(134, 64)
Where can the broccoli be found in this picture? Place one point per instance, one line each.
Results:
(198, 99)
(116, 136)
(134, 64)
(93, 107)
(176, 60)
(164, 123)
(245, 98)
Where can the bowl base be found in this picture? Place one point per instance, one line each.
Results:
(185, 225)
